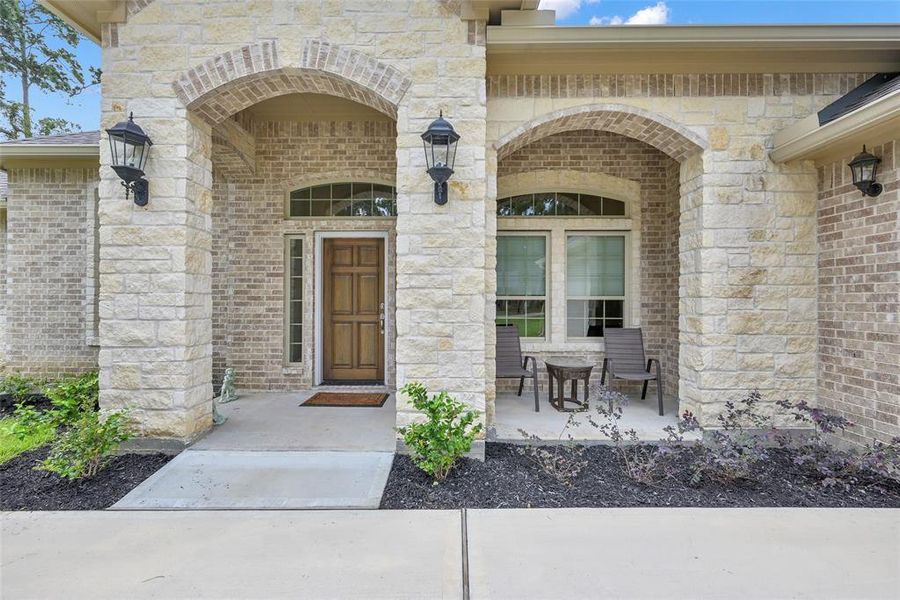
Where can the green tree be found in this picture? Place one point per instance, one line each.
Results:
(38, 50)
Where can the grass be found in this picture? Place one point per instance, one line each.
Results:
(11, 445)
(533, 327)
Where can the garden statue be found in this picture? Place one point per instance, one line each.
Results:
(228, 394)
(218, 418)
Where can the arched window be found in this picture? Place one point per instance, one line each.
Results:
(559, 204)
(345, 199)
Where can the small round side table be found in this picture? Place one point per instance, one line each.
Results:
(562, 369)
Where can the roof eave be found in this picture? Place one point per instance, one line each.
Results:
(806, 140)
(694, 37)
(13, 152)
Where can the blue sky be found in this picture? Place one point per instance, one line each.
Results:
(85, 108)
(720, 12)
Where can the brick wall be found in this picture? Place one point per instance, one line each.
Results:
(3, 283)
(49, 227)
(658, 176)
(859, 298)
(249, 229)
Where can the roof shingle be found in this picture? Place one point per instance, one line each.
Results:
(75, 139)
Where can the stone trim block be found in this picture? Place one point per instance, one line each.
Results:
(660, 132)
(235, 80)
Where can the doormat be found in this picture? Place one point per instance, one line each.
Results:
(346, 399)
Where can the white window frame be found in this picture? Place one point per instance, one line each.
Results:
(317, 182)
(547, 262)
(288, 275)
(626, 297)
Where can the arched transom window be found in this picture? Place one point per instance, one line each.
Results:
(345, 199)
(559, 204)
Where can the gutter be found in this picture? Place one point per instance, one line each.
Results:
(872, 36)
(13, 151)
(807, 138)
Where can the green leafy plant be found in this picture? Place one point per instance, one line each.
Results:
(85, 447)
(73, 396)
(19, 387)
(446, 434)
(12, 443)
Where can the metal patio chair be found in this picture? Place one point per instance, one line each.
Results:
(625, 359)
(511, 363)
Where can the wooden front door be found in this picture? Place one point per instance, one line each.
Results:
(353, 310)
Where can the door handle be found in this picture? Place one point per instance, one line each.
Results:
(381, 317)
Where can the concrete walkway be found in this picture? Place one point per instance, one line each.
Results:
(481, 554)
(225, 479)
(272, 453)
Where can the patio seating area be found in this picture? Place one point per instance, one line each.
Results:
(515, 413)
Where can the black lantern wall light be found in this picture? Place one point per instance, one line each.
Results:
(439, 141)
(130, 146)
(864, 167)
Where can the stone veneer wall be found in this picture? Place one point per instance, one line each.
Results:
(859, 298)
(747, 248)
(202, 62)
(249, 230)
(46, 271)
(612, 154)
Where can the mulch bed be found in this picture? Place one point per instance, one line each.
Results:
(506, 479)
(23, 488)
(8, 404)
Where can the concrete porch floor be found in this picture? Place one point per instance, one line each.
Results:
(514, 413)
(260, 421)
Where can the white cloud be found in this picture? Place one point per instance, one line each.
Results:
(657, 14)
(563, 8)
(650, 15)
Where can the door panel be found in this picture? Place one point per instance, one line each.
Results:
(353, 286)
(368, 345)
(367, 297)
(342, 294)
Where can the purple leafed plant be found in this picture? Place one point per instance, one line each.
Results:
(836, 467)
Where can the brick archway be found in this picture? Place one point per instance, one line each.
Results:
(660, 132)
(234, 80)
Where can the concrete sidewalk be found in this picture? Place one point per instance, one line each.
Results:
(231, 554)
(517, 554)
(226, 479)
(820, 554)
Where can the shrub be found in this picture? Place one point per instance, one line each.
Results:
(73, 396)
(86, 446)
(19, 387)
(69, 397)
(562, 462)
(731, 452)
(645, 463)
(446, 434)
(834, 466)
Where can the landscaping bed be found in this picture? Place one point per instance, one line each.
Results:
(507, 479)
(23, 488)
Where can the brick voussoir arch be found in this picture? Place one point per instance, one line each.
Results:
(232, 81)
(673, 139)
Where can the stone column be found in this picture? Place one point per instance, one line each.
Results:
(441, 249)
(748, 283)
(155, 279)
